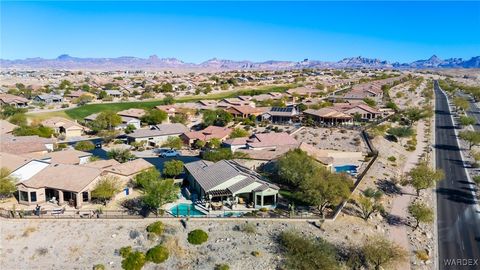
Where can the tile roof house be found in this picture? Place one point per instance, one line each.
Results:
(158, 134)
(48, 98)
(21, 167)
(207, 134)
(132, 113)
(6, 127)
(12, 100)
(78, 93)
(228, 180)
(245, 111)
(328, 116)
(130, 168)
(304, 91)
(281, 114)
(102, 164)
(68, 156)
(62, 182)
(64, 126)
(25, 144)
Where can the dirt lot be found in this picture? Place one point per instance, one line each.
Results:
(80, 244)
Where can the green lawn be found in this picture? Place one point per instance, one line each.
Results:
(86, 110)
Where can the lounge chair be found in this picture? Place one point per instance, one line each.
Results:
(58, 211)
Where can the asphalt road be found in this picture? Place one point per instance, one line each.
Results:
(457, 212)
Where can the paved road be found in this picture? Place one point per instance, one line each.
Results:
(457, 213)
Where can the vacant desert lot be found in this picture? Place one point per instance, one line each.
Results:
(79, 244)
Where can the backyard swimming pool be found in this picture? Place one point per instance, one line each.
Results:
(350, 169)
(184, 210)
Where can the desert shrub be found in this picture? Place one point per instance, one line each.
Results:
(263, 209)
(156, 228)
(197, 237)
(157, 254)
(476, 179)
(422, 255)
(248, 228)
(222, 266)
(99, 267)
(256, 253)
(392, 158)
(125, 251)
(134, 261)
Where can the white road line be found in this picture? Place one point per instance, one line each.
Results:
(461, 153)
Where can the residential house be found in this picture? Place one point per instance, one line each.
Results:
(304, 91)
(287, 114)
(48, 98)
(21, 167)
(171, 110)
(128, 170)
(366, 112)
(68, 156)
(77, 94)
(125, 121)
(245, 111)
(64, 183)
(64, 126)
(12, 100)
(158, 134)
(114, 93)
(25, 144)
(229, 102)
(206, 134)
(227, 183)
(132, 113)
(329, 116)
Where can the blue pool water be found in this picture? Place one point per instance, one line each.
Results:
(182, 210)
(351, 169)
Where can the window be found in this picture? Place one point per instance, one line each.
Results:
(85, 196)
(259, 200)
(23, 196)
(33, 196)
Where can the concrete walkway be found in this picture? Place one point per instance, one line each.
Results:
(398, 233)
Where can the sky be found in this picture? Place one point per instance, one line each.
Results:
(257, 31)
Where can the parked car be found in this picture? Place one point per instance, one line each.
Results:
(169, 153)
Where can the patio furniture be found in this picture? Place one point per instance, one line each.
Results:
(53, 200)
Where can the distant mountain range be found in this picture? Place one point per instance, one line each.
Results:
(155, 63)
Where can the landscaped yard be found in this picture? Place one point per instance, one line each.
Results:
(79, 113)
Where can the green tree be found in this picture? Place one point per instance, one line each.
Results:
(421, 213)
(7, 183)
(380, 252)
(179, 118)
(214, 143)
(84, 146)
(422, 177)
(39, 130)
(173, 143)
(302, 252)
(108, 135)
(173, 168)
(64, 84)
(414, 114)
(106, 120)
(168, 100)
(472, 137)
(120, 155)
(19, 119)
(167, 87)
(369, 202)
(467, 120)
(400, 132)
(8, 110)
(103, 94)
(199, 144)
(153, 117)
(370, 102)
(83, 99)
(295, 166)
(130, 128)
(146, 177)
(158, 193)
(216, 118)
(323, 188)
(106, 188)
(239, 133)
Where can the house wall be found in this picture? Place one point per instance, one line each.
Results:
(248, 188)
(28, 170)
(41, 198)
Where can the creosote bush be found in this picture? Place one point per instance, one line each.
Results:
(99, 267)
(156, 228)
(134, 261)
(157, 254)
(125, 251)
(197, 237)
(222, 266)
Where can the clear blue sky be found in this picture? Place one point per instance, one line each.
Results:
(197, 31)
